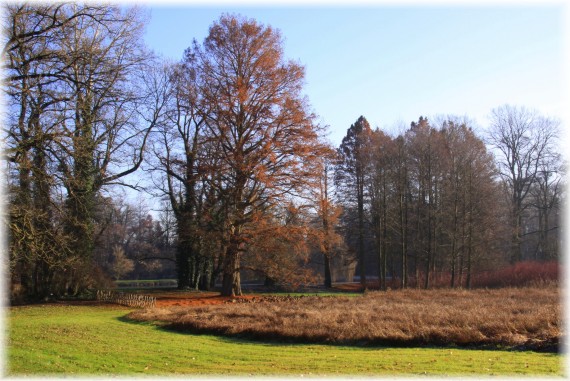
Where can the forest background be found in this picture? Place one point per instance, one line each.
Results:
(248, 183)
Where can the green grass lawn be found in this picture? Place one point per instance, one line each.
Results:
(91, 340)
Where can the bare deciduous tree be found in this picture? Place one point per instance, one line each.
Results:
(523, 140)
(74, 80)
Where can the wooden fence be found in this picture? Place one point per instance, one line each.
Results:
(130, 300)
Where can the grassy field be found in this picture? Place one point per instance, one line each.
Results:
(98, 340)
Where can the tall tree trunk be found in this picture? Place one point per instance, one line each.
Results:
(325, 221)
(463, 236)
(469, 257)
(361, 254)
(470, 234)
(380, 254)
(328, 276)
(428, 246)
(205, 276)
(547, 252)
(403, 239)
(384, 238)
(454, 241)
(184, 253)
(231, 283)
(516, 249)
(428, 267)
(182, 267)
(82, 189)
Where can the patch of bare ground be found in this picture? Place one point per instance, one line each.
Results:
(522, 318)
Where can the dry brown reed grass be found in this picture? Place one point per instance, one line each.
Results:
(529, 318)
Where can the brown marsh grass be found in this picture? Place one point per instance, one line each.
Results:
(528, 318)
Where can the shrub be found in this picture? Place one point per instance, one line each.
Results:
(528, 273)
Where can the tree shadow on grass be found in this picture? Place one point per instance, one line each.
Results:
(229, 339)
(260, 338)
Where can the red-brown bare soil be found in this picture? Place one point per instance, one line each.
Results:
(527, 318)
(192, 299)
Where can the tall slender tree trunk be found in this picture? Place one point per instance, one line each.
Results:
(328, 276)
(540, 245)
(470, 234)
(454, 242)
(428, 247)
(469, 256)
(428, 265)
(384, 237)
(516, 249)
(403, 239)
(326, 227)
(547, 252)
(361, 253)
(515, 240)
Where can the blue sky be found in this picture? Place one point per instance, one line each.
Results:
(394, 63)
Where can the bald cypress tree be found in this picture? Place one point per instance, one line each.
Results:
(258, 125)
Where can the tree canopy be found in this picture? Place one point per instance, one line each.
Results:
(234, 154)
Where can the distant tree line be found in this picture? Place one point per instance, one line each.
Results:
(434, 200)
(248, 184)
